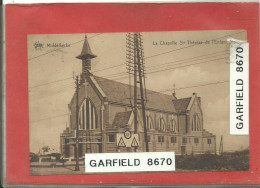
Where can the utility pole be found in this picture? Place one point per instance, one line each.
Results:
(135, 94)
(141, 77)
(221, 146)
(77, 124)
(135, 64)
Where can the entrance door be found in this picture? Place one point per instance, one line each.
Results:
(67, 148)
(183, 150)
(100, 148)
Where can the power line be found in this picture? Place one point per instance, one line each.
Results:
(207, 84)
(200, 85)
(121, 73)
(62, 47)
(177, 67)
(57, 91)
(169, 51)
(186, 65)
(49, 118)
(188, 59)
(124, 77)
(50, 82)
(118, 65)
(173, 62)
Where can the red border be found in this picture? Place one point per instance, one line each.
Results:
(22, 20)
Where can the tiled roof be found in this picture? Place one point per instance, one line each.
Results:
(121, 118)
(119, 93)
(181, 105)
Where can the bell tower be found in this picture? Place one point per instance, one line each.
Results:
(86, 56)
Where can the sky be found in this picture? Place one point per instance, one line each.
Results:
(187, 61)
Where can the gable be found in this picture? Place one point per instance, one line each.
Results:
(181, 105)
(194, 105)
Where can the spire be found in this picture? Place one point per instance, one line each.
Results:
(86, 51)
(86, 56)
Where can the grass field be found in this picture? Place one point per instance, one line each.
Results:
(232, 161)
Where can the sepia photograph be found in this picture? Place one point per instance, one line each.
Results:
(132, 92)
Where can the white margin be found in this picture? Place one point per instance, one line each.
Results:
(123, 1)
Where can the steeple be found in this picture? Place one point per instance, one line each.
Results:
(86, 56)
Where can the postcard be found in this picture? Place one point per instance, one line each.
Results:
(131, 94)
(139, 94)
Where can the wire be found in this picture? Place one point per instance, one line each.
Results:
(149, 68)
(58, 91)
(118, 65)
(188, 87)
(125, 77)
(173, 62)
(186, 65)
(62, 47)
(176, 67)
(168, 51)
(207, 84)
(121, 73)
(50, 82)
(49, 118)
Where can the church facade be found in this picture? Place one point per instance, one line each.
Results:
(104, 111)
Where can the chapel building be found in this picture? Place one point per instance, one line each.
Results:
(104, 111)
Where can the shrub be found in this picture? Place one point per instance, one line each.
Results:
(34, 157)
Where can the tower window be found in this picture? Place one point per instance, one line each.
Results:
(184, 140)
(209, 141)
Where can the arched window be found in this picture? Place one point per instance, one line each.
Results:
(173, 125)
(161, 124)
(149, 123)
(195, 123)
(87, 116)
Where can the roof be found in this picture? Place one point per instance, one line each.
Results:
(181, 105)
(118, 92)
(121, 118)
(206, 133)
(86, 52)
